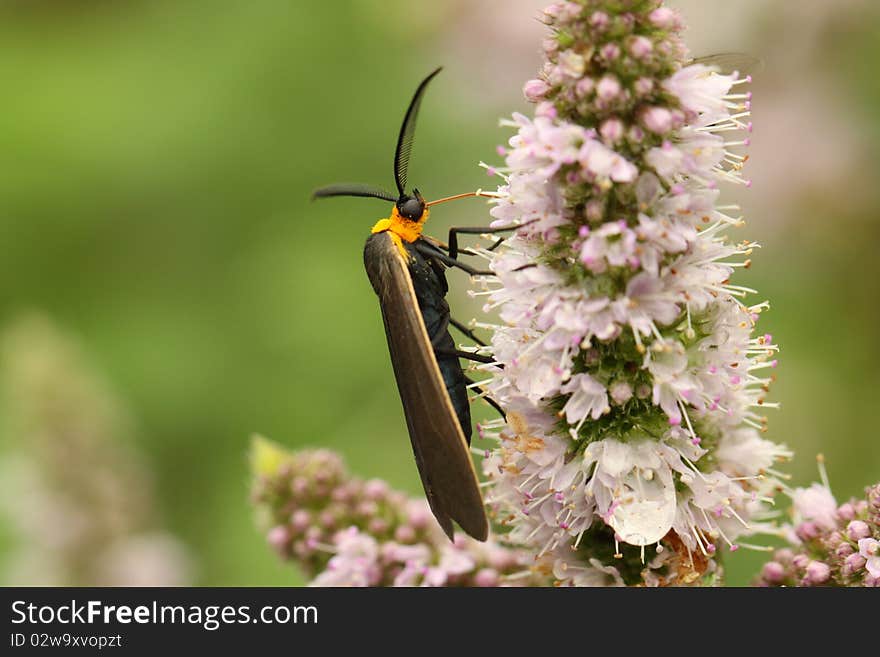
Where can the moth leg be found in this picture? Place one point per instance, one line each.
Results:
(474, 230)
(489, 400)
(467, 355)
(445, 247)
(468, 333)
(468, 252)
(452, 262)
(428, 250)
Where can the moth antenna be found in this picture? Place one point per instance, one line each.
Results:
(407, 131)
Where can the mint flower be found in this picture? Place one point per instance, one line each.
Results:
(344, 531)
(632, 375)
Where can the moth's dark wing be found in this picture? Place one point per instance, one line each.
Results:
(728, 62)
(353, 189)
(407, 130)
(440, 449)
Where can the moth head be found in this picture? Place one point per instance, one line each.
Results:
(411, 207)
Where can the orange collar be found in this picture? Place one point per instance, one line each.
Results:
(408, 231)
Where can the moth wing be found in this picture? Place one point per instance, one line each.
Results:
(439, 446)
(728, 62)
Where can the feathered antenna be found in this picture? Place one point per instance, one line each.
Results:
(353, 189)
(407, 130)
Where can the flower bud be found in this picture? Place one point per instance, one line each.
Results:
(807, 531)
(584, 87)
(817, 572)
(610, 52)
(800, 561)
(773, 572)
(621, 392)
(404, 534)
(572, 64)
(535, 90)
(657, 119)
(843, 550)
(599, 20)
(486, 577)
(643, 86)
(853, 564)
(278, 537)
(611, 130)
(300, 520)
(846, 511)
(663, 17)
(594, 210)
(857, 529)
(375, 489)
(608, 88)
(640, 47)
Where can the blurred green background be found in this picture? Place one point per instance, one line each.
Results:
(156, 160)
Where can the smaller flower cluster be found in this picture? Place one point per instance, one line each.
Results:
(75, 492)
(344, 531)
(831, 545)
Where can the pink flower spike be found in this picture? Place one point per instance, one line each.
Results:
(631, 310)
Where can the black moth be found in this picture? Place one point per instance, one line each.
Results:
(407, 272)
